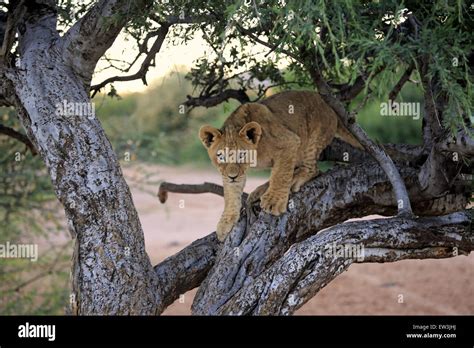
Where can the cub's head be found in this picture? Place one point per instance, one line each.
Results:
(233, 149)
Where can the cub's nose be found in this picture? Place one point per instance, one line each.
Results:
(233, 177)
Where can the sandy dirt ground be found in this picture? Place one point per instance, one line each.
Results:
(404, 287)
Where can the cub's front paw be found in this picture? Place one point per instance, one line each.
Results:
(274, 203)
(225, 226)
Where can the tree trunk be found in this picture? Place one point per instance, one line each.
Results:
(111, 272)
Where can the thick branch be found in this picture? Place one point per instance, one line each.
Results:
(445, 150)
(308, 266)
(186, 269)
(331, 198)
(444, 162)
(111, 272)
(340, 151)
(96, 31)
(460, 143)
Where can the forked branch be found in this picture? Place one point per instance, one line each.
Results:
(310, 265)
(146, 64)
(322, 203)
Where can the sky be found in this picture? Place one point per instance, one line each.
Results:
(169, 59)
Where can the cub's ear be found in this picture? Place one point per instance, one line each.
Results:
(208, 135)
(252, 132)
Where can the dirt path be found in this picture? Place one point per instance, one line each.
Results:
(404, 287)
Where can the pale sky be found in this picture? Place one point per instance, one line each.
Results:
(170, 58)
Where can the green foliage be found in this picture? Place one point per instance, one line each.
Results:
(70, 11)
(386, 129)
(346, 39)
(36, 288)
(24, 183)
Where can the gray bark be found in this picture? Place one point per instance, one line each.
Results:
(186, 269)
(111, 272)
(346, 192)
(308, 266)
(258, 241)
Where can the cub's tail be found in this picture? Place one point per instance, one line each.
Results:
(343, 134)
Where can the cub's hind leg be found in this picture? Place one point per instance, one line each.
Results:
(319, 138)
(275, 198)
(308, 169)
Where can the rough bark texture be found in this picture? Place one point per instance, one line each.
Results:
(111, 271)
(94, 33)
(307, 266)
(259, 241)
(186, 269)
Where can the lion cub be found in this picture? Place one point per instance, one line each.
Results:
(288, 131)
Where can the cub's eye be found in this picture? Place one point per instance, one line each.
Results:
(242, 155)
(220, 158)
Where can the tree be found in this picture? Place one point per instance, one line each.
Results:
(267, 265)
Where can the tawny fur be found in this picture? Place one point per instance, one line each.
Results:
(289, 130)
